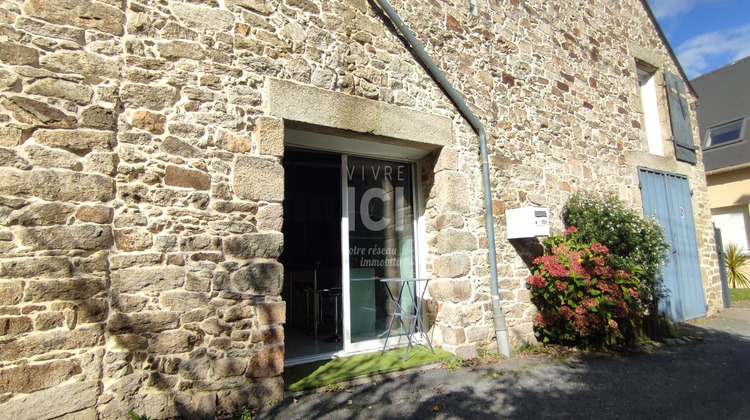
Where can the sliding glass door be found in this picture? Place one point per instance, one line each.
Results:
(378, 241)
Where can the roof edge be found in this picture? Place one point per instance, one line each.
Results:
(723, 67)
(664, 40)
(718, 171)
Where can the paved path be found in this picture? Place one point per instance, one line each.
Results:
(708, 380)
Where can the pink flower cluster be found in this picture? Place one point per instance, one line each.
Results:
(538, 281)
(561, 286)
(578, 294)
(552, 265)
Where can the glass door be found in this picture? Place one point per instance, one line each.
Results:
(377, 242)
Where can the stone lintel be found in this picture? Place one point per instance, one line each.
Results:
(312, 105)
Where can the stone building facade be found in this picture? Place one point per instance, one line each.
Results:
(142, 177)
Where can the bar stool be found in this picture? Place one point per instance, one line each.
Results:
(335, 294)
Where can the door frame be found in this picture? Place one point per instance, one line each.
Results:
(315, 141)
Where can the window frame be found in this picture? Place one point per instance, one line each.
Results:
(650, 109)
(740, 135)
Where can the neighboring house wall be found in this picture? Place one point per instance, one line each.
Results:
(725, 98)
(142, 187)
(729, 198)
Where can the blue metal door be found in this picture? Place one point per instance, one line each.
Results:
(667, 197)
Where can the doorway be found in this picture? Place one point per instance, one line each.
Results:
(312, 256)
(667, 197)
(349, 222)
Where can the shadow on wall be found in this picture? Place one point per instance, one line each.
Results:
(672, 383)
(528, 249)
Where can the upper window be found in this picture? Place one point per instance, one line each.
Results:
(724, 133)
(651, 123)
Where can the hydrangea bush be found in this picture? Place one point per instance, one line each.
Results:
(636, 244)
(582, 299)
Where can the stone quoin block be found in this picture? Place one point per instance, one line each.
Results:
(450, 290)
(258, 179)
(452, 194)
(453, 240)
(452, 265)
(269, 133)
(254, 245)
(261, 278)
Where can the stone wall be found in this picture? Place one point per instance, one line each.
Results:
(141, 184)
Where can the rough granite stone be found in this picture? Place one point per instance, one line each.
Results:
(84, 236)
(178, 176)
(258, 179)
(155, 97)
(46, 403)
(199, 17)
(99, 118)
(59, 88)
(254, 245)
(94, 214)
(10, 136)
(54, 340)
(450, 290)
(30, 378)
(11, 292)
(83, 63)
(140, 322)
(37, 113)
(259, 278)
(41, 213)
(52, 267)
(76, 141)
(148, 279)
(81, 13)
(16, 54)
(148, 121)
(269, 133)
(55, 185)
(132, 239)
(452, 265)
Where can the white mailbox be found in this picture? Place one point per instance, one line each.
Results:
(527, 222)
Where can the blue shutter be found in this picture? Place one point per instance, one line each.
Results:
(679, 114)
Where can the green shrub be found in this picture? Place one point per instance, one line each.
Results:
(736, 261)
(133, 416)
(582, 299)
(636, 244)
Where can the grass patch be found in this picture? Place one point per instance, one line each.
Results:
(327, 372)
(739, 295)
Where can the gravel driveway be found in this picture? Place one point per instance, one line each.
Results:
(700, 379)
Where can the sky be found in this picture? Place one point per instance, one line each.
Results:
(705, 34)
